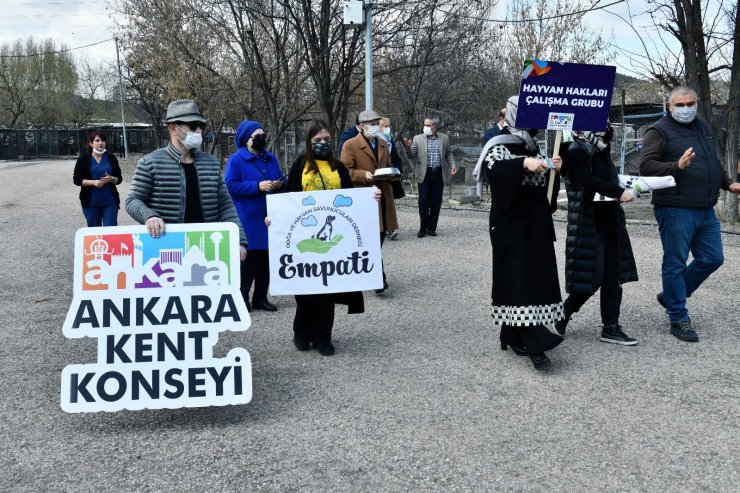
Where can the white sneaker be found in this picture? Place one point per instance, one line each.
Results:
(394, 234)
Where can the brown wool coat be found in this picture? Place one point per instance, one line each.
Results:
(358, 157)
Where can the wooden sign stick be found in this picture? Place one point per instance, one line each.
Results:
(555, 153)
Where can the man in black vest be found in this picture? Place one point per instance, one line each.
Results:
(683, 146)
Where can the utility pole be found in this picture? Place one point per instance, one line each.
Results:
(120, 92)
(369, 103)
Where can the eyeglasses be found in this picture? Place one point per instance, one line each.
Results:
(193, 125)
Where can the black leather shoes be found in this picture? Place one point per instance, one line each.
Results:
(540, 361)
(421, 233)
(301, 344)
(431, 232)
(264, 305)
(385, 286)
(325, 348)
(519, 351)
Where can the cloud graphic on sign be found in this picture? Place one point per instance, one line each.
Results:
(309, 201)
(342, 201)
(309, 221)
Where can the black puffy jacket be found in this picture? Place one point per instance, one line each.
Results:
(586, 173)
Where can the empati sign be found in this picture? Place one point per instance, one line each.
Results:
(557, 95)
(156, 307)
(324, 242)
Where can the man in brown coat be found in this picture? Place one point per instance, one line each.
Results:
(362, 155)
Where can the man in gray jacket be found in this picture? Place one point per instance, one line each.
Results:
(180, 184)
(434, 165)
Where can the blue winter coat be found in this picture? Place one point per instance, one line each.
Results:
(244, 172)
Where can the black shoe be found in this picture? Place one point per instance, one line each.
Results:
(301, 344)
(265, 305)
(661, 299)
(519, 351)
(561, 324)
(325, 348)
(385, 286)
(540, 361)
(683, 331)
(431, 232)
(614, 334)
(421, 233)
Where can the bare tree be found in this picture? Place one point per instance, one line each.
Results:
(708, 59)
(37, 81)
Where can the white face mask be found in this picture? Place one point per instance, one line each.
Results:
(387, 131)
(427, 130)
(98, 151)
(192, 141)
(373, 131)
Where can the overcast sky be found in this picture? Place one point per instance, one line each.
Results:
(84, 22)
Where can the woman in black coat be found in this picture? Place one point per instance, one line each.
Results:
(525, 294)
(318, 169)
(97, 173)
(598, 252)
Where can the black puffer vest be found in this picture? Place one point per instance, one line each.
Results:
(581, 246)
(698, 185)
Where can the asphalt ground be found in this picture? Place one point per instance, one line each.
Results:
(419, 397)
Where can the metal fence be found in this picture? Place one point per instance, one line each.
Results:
(19, 145)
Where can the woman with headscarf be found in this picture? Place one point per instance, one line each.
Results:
(598, 253)
(252, 173)
(525, 294)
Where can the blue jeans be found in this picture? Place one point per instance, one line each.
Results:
(106, 215)
(684, 230)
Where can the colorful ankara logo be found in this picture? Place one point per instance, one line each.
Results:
(156, 307)
(138, 261)
(533, 68)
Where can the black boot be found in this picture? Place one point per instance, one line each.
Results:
(561, 324)
(540, 360)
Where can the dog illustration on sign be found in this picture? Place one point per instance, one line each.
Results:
(324, 240)
(326, 230)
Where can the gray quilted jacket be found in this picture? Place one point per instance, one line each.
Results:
(158, 189)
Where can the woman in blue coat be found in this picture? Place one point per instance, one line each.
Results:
(251, 173)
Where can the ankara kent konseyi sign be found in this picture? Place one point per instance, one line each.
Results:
(156, 307)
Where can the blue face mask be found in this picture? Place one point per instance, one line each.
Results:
(684, 114)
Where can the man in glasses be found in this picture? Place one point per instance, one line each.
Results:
(179, 183)
(683, 146)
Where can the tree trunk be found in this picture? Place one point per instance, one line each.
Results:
(728, 209)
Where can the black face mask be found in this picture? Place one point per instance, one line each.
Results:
(259, 142)
(321, 150)
(533, 132)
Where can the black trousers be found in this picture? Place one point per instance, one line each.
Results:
(256, 268)
(430, 199)
(314, 317)
(607, 279)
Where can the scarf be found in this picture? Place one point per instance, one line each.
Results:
(515, 136)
